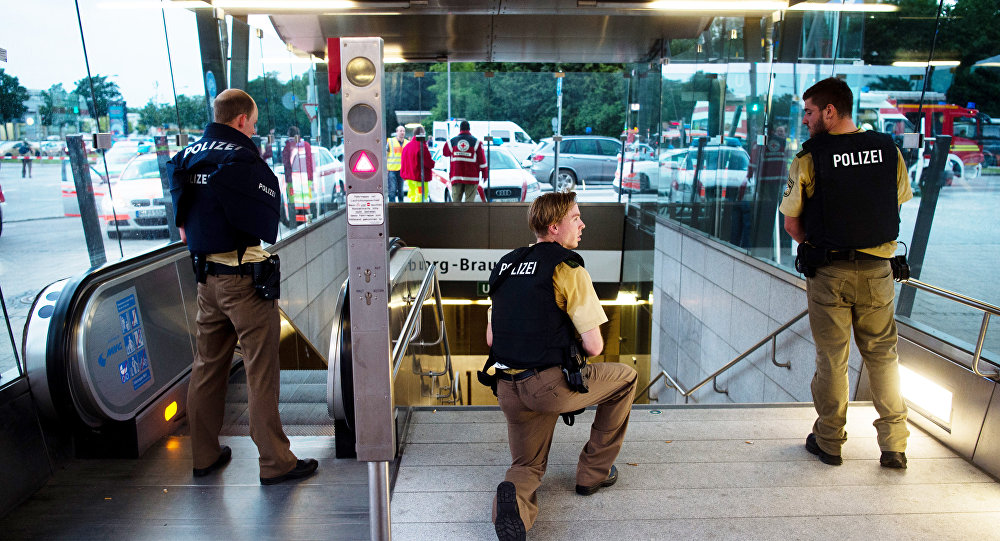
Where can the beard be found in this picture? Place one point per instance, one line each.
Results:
(818, 127)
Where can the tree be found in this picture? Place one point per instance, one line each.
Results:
(53, 110)
(12, 98)
(891, 82)
(104, 92)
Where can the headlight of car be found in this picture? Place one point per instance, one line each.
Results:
(534, 187)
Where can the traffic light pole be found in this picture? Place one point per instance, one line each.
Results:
(368, 267)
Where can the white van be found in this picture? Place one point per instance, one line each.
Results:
(512, 136)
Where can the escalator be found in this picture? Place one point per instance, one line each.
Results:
(109, 353)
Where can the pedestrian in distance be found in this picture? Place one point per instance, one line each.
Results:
(394, 152)
(546, 313)
(25, 152)
(468, 164)
(226, 201)
(841, 204)
(417, 165)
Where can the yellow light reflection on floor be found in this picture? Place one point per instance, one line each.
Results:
(925, 394)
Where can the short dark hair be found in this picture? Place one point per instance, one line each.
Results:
(230, 104)
(293, 131)
(831, 91)
(419, 130)
(548, 210)
(464, 126)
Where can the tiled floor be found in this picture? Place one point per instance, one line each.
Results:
(698, 472)
(695, 473)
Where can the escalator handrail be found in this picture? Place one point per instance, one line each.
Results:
(429, 283)
(63, 322)
(410, 323)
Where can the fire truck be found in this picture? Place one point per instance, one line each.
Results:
(964, 125)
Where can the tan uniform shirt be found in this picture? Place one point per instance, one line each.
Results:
(575, 295)
(254, 254)
(802, 184)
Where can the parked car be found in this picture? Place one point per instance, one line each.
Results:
(585, 159)
(722, 175)
(326, 191)
(509, 182)
(99, 182)
(650, 176)
(11, 149)
(135, 205)
(120, 154)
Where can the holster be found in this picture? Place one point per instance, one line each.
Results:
(573, 363)
(267, 278)
(810, 258)
(900, 268)
(200, 265)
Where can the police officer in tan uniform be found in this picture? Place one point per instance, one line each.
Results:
(841, 204)
(542, 298)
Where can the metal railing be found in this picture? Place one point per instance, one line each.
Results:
(430, 283)
(986, 308)
(671, 382)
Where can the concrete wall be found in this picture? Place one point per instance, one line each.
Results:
(712, 303)
(313, 267)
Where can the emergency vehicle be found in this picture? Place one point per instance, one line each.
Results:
(964, 125)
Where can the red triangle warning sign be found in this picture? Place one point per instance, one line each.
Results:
(364, 164)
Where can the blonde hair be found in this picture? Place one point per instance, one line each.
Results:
(548, 210)
(232, 103)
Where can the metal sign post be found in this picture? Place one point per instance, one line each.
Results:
(368, 266)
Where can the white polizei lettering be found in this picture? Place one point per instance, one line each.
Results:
(861, 157)
(528, 267)
(265, 189)
(503, 267)
(230, 146)
(200, 178)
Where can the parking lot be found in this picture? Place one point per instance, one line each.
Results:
(39, 245)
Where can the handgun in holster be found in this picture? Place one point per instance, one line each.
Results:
(200, 265)
(572, 366)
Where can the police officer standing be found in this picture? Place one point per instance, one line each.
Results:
(226, 201)
(542, 297)
(841, 204)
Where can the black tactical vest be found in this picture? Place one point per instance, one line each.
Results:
(225, 196)
(855, 204)
(529, 329)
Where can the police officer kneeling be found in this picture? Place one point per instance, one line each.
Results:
(842, 205)
(226, 201)
(542, 296)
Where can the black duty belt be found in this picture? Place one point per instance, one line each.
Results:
(521, 375)
(853, 255)
(218, 268)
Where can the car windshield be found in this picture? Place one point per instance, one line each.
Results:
(141, 168)
(502, 160)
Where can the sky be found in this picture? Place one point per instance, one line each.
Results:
(42, 38)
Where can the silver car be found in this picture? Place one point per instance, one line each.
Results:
(583, 159)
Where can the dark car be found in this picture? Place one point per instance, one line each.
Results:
(583, 159)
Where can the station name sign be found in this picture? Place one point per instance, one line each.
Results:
(471, 265)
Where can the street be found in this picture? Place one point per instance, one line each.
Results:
(40, 246)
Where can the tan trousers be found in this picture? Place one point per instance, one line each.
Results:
(859, 295)
(532, 407)
(229, 309)
(464, 193)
